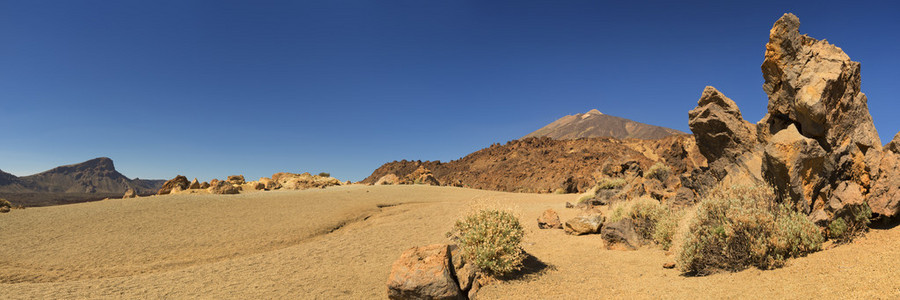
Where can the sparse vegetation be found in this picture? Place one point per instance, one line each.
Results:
(5, 206)
(559, 191)
(741, 226)
(325, 174)
(611, 183)
(492, 240)
(854, 223)
(659, 171)
(590, 194)
(652, 220)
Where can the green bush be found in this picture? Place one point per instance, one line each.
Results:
(851, 224)
(659, 171)
(610, 183)
(492, 240)
(741, 226)
(652, 220)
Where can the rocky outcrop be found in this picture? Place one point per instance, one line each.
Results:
(389, 179)
(584, 225)
(195, 184)
(424, 273)
(816, 146)
(129, 194)
(549, 220)
(291, 181)
(179, 183)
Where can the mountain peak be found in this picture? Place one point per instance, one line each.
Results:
(596, 124)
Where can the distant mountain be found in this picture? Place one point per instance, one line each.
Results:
(596, 124)
(91, 180)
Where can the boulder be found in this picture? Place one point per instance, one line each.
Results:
(549, 220)
(620, 235)
(721, 132)
(204, 185)
(194, 185)
(465, 271)
(421, 175)
(845, 195)
(269, 184)
(236, 179)
(584, 225)
(424, 273)
(815, 86)
(224, 188)
(253, 185)
(389, 179)
(179, 182)
(884, 197)
(794, 166)
(129, 194)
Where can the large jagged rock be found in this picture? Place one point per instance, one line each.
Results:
(620, 235)
(194, 185)
(794, 166)
(424, 273)
(722, 133)
(178, 183)
(584, 225)
(816, 86)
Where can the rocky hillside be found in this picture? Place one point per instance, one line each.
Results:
(596, 124)
(547, 165)
(817, 146)
(91, 180)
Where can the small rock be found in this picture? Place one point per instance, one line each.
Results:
(423, 273)
(569, 205)
(584, 225)
(669, 265)
(620, 235)
(549, 220)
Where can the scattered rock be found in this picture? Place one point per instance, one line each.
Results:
(194, 185)
(129, 194)
(569, 205)
(669, 265)
(584, 225)
(179, 182)
(423, 273)
(236, 179)
(620, 235)
(224, 188)
(549, 220)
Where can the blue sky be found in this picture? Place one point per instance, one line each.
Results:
(212, 88)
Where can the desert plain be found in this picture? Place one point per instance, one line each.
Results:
(340, 242)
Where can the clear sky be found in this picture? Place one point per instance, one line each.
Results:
(212, 88)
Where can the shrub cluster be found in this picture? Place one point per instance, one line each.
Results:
(5, 206)
(492, 240)
(852, 224)
(652, 220)
(659, 171)
(742, 226)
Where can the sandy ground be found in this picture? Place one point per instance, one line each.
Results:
(339, 243)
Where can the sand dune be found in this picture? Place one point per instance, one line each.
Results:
(340, 242)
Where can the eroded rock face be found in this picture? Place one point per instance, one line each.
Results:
(129, 194)
(549, 220)
(389, 179)
(794, 166)
(178, 183)
(884, 198)
(722, 133)
(423, 273)
(814, 85)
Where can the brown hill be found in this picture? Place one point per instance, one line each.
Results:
(544, 164)
(91, 180)
(596, 124)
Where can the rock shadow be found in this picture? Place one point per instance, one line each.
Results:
(531, 266)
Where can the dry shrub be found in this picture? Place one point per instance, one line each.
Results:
(652, 220)
(492, 240)
(590, 194)
(659, 171)
(853, 223)
(5, 206)
(610, 183)
(741, 226)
